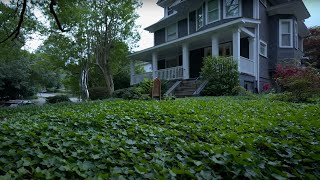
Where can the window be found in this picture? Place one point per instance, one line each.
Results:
(263, 48)
(169, 11)
(172, 32)
(285, 33)
(296, 38)
(264, 2)
(231, 8)
(213, 11)
(200, 17)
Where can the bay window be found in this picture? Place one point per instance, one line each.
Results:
(213, 11)
(231, 8)
(285, 33)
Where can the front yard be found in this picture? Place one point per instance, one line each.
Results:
(203, 138)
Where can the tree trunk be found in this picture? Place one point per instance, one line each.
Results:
(84, 84)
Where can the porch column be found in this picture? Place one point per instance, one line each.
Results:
(253, 54)
(132, 71)
(154, 65)
(185, 61)
(236, 46)
(214, 45)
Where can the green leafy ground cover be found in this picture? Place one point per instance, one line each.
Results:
(201, 138)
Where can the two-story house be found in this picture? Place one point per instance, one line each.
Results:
(256, 33)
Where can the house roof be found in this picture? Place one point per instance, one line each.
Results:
(181, 8)
(296, 8)
(146, 54)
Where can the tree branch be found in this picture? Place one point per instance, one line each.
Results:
(16, 32)
(52, 4)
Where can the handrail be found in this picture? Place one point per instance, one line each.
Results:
(201, 87)
(170, 73)
(173, 87)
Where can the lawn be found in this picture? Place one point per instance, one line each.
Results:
(203, 138)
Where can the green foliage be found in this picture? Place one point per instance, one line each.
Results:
(196, 138)
(222, 74)
(98, 93)
(241, 91)
(300, 84)
(57, 99)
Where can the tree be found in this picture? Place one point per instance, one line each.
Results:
(312, 46)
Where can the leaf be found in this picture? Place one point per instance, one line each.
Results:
(278, 177)
(197, 163)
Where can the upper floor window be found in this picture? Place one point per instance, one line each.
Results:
(263, 48)
(231, 8)
(200, 17)
(172, 32)
(213, 11)
(169, 11)
(285, 33)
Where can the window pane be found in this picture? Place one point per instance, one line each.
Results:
(200, 17)
(213, 4)
(232, 10)
(214, 15)
(232, 2)
(285, 27)
(286, 40)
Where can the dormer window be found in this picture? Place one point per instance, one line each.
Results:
(231, 8)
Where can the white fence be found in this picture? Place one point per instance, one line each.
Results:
(170, 73)
(246, 66)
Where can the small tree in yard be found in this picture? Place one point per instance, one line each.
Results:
(299, 83)
(222, 74)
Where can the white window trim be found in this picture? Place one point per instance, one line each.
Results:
(177, 35)
(207, 12)
(225, 12)
(296, 35)
(291, 33)
(266, 50)
(203, 20)
(264, 2)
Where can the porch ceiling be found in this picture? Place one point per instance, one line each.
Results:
(196, 40)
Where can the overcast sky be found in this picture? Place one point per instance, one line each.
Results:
(151, 13)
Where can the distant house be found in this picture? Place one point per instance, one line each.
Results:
(257, 33)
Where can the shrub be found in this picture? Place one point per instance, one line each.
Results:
(222, 74)
(300, 84)
(57, 99)
(97, 93)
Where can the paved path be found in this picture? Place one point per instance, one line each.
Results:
(42, 98)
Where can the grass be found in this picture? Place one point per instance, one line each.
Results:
(203, 138)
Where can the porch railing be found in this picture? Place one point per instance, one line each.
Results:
(170, 73)
(246, 66)
(136, 79)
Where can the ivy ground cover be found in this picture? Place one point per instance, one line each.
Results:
(197, 138)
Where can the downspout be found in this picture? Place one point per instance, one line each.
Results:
(258, 49)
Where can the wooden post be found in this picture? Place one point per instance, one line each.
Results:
(156, 88)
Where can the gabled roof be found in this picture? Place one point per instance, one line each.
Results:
(296, 8)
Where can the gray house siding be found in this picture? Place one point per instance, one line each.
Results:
(183, 28)
(264, 36)
(160, 36)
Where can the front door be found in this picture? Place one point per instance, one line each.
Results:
(196, 60)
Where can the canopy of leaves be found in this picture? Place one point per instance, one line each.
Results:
(312, 46)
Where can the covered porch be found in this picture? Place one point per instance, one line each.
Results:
(182, 58)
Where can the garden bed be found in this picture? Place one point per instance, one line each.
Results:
(202, 138)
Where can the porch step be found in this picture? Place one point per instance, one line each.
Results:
(186, 88)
